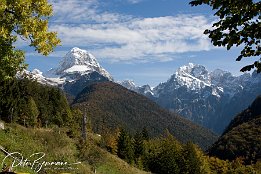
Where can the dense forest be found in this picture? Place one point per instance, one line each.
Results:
(32, 104)
(166, 155)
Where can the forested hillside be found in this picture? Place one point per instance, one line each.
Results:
(110, 105)
(32, 104)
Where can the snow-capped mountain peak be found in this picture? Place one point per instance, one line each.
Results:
(78, 61)
(193, 76)
(77, 69)
(129, 84)
(194, 70)
(145, 89)
(207, 98)
(77, 57)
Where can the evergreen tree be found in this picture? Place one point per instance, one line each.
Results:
(192, 163)
(145, 134)
(30, 103)
(33, 112)
(9, 102)
(139, 149)
(138, 145)
(74, 124)
(125, 147)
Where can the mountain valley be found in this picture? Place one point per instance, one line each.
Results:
(210, 99)
(119, 111)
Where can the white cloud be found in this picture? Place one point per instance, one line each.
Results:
(120, 37)
(82, 11)
(134, 1)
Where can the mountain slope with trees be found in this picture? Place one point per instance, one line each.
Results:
(110, 105)
(32, 104)
(242, 136)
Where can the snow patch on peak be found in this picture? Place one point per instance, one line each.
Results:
(145, 89)
(195, 70)
(78, 61)
(37, 72)
(196, 77)
(186, 68)
(37, 75)
(129, 84)
(193, 76)
(77, 66)
(77, 57)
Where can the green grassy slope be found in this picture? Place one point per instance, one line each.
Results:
(59, 147)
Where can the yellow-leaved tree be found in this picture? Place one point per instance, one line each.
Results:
(27, 19)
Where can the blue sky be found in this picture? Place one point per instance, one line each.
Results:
(140, 40)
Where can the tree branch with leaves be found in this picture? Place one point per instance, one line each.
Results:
(29, 20)
(238, 25)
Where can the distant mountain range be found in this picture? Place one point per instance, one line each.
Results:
(207, 98)
(110, 105)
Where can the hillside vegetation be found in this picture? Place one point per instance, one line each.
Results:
(110, 105)
(59, 147)
(45, 124)
(32, 104)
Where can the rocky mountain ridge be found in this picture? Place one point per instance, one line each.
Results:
(207, 98)
(77, 69)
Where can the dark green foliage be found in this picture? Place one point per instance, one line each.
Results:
(74, 124)
(145, 134)
(168, 160)
(111, 105)
(238, 25)
(166, 155)
(33, 112)
(9, 97)
(125, 148)
(139, 145)
(192, 163)
(242, 136)
(32, 104)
